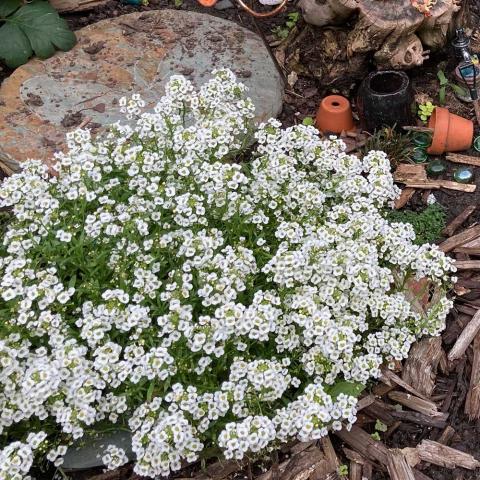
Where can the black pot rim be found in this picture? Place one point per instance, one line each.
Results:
(399, 73)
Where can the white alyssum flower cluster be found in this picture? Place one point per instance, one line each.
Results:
(205, 302)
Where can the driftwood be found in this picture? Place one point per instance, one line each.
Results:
(420, 368)
(460, 239)
(465, 338)
(458, 220)
(438, 454)
(463, 159)
(64, 6)
(406, 172)
(472, 403)
(437, 184)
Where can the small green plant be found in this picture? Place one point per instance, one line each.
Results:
(375, 436)
(308, 121)
(282, 31)
(444, 84)
(396, 145)
(342, 470)
(425, 111)
(31, 28)
(428, 224)
(380, 426)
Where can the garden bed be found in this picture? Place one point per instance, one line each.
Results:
(442, 406)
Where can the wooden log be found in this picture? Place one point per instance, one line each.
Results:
(64, 6)
(443, 456)
(460, 239)
(420, 368)
(381, 411)
(472, 403)
(465, 338)
(463, 159)
(418, 404)
(405, 196)
(420, 419)
(364, 402)
(398, 468)
(330, 455)
(450, 229)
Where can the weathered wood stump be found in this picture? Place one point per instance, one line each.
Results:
(69, 6)
(397, 34)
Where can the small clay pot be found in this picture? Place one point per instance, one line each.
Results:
(385, 99)
(207, 3)
(334, 115)
(451, 132)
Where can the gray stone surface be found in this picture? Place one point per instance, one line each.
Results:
(42, 100)
(87, 453)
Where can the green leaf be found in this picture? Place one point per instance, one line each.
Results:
(348, 388)
(442, 78)
(459, 90)
(15, 49)
(34, 27)
(441, 95)
(380, 426)
(307, 121)
(375, 436)
(7, 7)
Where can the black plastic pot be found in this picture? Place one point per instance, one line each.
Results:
(385, 98)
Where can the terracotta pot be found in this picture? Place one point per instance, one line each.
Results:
(451, 132)
(334, 115)
(207, 3)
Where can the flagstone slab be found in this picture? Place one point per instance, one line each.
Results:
(135, 53)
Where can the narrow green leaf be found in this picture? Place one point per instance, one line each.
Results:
(441, 95)
(442, 78)
(7, 7)
(15, 48)
(459, 90)
(151, 387)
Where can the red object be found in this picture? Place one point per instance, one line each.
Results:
(334, 115)
(451, 133)
(207, 3)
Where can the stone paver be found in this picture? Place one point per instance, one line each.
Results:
(42, 100)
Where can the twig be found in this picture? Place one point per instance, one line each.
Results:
(465, 338)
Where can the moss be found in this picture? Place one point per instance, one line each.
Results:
(428, 224)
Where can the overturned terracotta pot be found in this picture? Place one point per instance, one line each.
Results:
(334, 115)
(451, 133)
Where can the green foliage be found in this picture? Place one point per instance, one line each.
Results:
(380, 426)
(375, 436)
(425, 111)
(428, 224)
(444, 84)
(348, 388)
(342, 470)
(308, 121)
(396, 145)
(33, 28)
(282, 31)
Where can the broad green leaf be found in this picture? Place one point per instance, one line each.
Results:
(459, 90)
(42, 25)
(7, 7)
(348, 388)
(15, 48)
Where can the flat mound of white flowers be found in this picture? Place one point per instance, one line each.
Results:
(159, 285)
